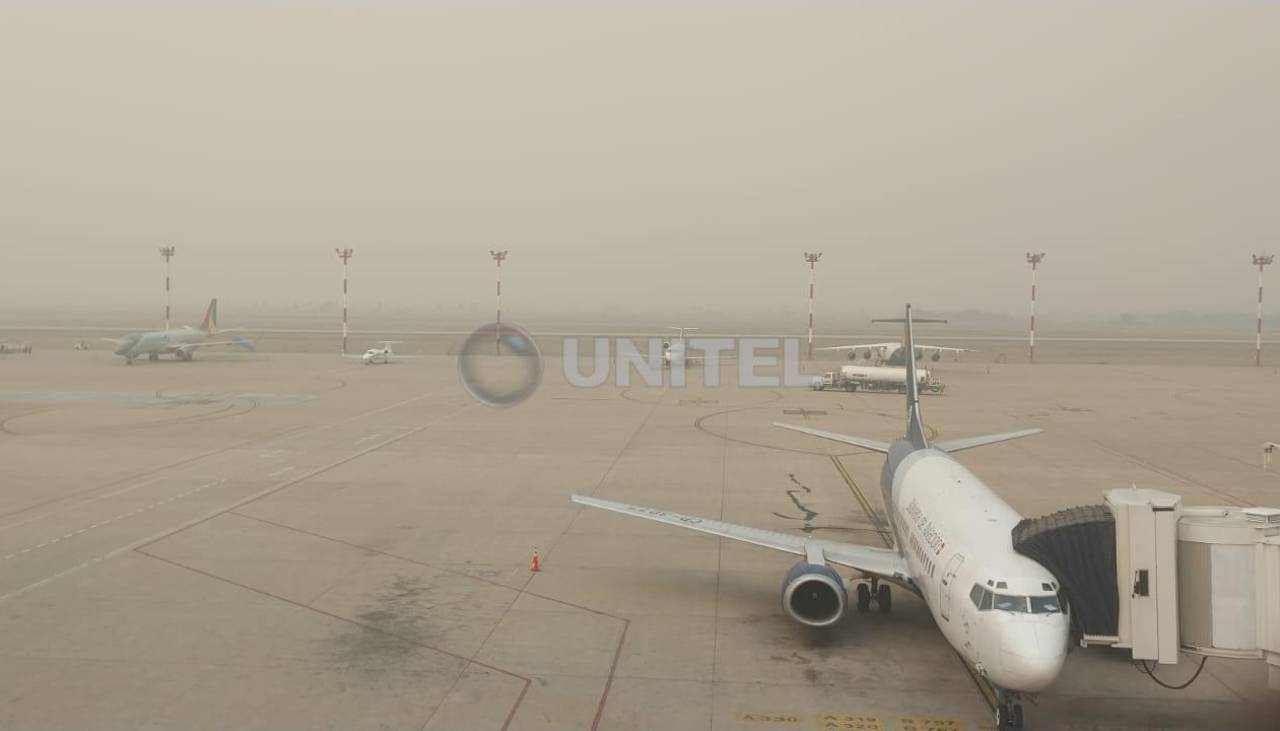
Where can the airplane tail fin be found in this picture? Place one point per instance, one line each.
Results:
(915, 423)
(210, 322)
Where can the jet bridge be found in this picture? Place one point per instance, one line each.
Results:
(1145, 573)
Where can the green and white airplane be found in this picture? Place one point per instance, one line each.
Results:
(181, 342)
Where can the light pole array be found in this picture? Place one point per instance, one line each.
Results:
(498, 256)
(1034, 260)
(344, 255)
(812, 258)
(167, 253)
(1260, 261)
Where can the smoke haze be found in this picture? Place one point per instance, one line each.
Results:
(645, 159)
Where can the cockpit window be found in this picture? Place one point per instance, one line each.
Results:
(1010, 603)
(975, 595)
(1045, 605)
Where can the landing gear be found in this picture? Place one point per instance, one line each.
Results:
(1008, 711)
(153, 357)
(874, 591)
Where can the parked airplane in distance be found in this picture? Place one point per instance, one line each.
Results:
(181, 342)
(893, 354)
(675, 350)
(952, 547)
(381, 353)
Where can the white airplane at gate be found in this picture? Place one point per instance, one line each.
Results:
(952, 547)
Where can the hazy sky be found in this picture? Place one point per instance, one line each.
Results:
(676, 153)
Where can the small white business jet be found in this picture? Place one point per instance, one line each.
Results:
(381, 353)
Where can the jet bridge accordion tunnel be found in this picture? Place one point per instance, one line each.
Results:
(1144, 573)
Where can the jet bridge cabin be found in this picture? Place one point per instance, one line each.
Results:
(1145, 573)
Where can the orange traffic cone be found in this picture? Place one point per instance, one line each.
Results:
(535, 566)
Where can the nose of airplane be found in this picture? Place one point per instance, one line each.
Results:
(126, 344)
(1031, 654)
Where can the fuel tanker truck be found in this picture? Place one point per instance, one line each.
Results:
(875, 378)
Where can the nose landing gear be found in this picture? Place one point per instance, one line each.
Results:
(1008, 711)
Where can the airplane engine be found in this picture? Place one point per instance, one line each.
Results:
(814, 595)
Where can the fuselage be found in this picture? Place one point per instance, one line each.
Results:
(181, 339)
(373, 354)
(999, 609)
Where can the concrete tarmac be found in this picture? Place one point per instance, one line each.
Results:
(301, 542)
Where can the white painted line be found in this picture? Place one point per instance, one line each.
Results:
(277, 473)
(222, 510)
(9, 556)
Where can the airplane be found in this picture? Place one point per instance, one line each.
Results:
(181, 342)
(675, 350)
(892, 353)
(383, 351)
(952, 548)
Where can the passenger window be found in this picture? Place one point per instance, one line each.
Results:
(975, 595)
(985, 606)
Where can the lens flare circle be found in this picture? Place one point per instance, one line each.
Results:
(500, 365)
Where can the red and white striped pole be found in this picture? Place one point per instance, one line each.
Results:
(344, 254)
(1260, 260)
(1034, 260)
(812, 258)
(167, 253)
(498, 256)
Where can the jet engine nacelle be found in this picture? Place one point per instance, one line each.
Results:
(814, 595)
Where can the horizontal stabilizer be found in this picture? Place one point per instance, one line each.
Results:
(956, 445)
(873, 445)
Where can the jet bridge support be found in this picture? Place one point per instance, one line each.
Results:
(1145, 573)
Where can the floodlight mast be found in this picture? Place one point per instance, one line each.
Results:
(1034, 260)
(167, 253)
(1261, 261)
(498, 257)
(812, 258)
(344, 255)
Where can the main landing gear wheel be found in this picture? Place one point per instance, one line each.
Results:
(884, 599)
(153, 356)
(874, 592)
(864, 597)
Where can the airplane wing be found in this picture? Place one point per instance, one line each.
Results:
(241, 342)
(865, 346)
(894, 346)
(882, 562)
